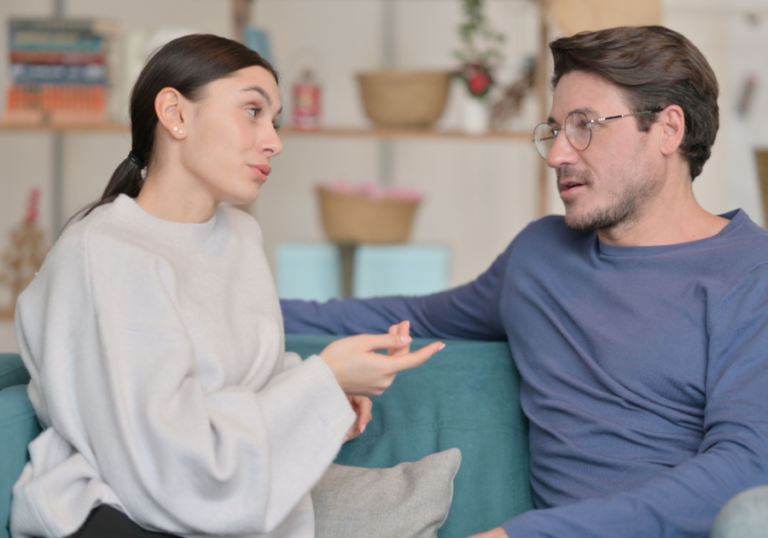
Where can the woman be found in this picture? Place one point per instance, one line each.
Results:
(154, 337)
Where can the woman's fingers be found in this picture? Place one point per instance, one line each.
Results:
(417, 358)
(362, 406)
(403, 329)
(361, 371)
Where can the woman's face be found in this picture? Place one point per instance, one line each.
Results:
(231, 135)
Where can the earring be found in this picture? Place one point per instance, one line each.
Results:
(175, 128)
(181, 132)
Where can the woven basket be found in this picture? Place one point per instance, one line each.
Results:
(761, 156)
(404, 98)
(356, 219)
(575, 16)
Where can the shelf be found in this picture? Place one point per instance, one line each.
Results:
(66, 128)
(376, 132)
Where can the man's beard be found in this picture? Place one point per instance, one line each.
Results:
(621, 210)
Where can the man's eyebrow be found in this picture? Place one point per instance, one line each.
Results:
(584, 110)
(259, 90)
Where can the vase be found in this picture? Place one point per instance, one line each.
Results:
(475, 118)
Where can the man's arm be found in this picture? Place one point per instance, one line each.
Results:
(733, 456)
(467, 312)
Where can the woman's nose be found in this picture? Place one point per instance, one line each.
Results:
(271, 145)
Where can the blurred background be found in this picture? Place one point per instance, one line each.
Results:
(476, 176)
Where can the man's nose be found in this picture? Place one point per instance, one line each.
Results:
(562, 151)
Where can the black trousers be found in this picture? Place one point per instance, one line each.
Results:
(107, 522)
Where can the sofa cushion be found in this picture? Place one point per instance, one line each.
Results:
(19, 427)
(12, 370)
(410, 500)
(468, 397)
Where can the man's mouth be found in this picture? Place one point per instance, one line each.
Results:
(569, 179)
(568, 185)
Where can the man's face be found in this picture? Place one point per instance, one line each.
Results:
(614, 181)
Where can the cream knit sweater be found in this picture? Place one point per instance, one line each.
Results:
(156, 351)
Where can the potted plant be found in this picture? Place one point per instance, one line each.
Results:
(479, 55)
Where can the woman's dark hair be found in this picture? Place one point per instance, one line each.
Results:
(656, 67)
(186, 64)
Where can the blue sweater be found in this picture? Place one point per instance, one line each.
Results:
(644, 370)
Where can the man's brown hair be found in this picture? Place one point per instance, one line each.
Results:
(656, 67)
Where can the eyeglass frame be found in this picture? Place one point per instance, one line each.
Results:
(589, 124)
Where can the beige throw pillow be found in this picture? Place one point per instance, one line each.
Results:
(410, 500)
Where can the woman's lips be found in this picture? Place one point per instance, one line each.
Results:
(261, 171)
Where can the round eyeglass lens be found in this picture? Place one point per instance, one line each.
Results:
(577, 129)
(543, 139)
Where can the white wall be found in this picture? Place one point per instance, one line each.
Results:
(479, 193)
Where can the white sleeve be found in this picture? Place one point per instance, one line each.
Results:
(119, 378)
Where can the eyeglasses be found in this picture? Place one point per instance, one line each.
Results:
(578, 131)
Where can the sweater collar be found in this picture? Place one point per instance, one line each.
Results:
(208, 236)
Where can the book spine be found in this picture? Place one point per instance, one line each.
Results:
(55, 98)
(58, 74)
(57, 58)
(55, 41)
(55, 24)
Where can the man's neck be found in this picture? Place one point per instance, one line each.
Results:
(675, 217)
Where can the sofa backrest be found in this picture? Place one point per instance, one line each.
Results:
(467, 396)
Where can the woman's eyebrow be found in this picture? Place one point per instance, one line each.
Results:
(260, 90)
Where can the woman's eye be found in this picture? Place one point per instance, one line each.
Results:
(254, 111)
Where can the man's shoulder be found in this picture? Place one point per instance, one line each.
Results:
(550, 231)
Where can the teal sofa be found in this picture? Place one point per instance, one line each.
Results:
(467, 396)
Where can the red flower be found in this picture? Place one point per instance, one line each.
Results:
(478, 79)
(479, 84)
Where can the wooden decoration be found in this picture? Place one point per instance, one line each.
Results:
(24, 256)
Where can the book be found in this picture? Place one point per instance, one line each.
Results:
(55, 40)
(23, 73)
(56, 104)
(59, 70)
(61, 58)
(96, 26)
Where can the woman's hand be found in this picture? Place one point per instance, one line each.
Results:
(362, 372)
(362, 406)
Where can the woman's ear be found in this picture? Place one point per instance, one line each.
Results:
(171, 110)
(672, 122)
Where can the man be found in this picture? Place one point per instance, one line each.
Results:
(637, 321)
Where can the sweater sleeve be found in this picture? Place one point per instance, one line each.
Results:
(684, 500)
(468, 312)
(119, 375)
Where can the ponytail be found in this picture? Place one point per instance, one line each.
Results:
(126, 179)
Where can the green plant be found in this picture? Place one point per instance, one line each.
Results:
(480, 53)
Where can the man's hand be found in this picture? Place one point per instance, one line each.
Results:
(362, 405)
(498, 532)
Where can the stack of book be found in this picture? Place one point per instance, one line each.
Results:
(59, 71)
